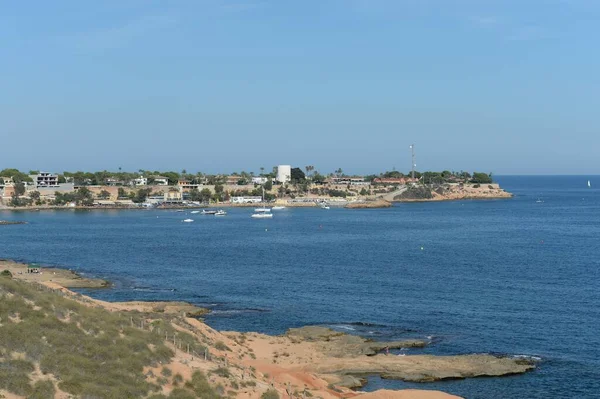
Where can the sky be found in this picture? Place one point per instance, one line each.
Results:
(217, 86)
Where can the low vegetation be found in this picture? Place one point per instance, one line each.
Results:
(89, 352)
(270, 394)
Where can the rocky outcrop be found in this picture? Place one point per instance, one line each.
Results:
(415, 193)
(338, 344)
(369, 204)
(428, 368)
(448, 192)
(349, 358)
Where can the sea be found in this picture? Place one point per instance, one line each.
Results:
(514, 277)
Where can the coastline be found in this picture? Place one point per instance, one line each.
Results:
(366, 204)
(326, 361)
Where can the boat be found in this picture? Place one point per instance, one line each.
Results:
(539, 201)
(325, 206)
(276, 208)
(589, 184)
(262, 213)
(187, 220)
(220, 212)
(194, 212)
(209, 212)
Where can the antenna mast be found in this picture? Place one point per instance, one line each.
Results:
(412, 149)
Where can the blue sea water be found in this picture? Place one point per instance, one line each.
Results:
(515, 276)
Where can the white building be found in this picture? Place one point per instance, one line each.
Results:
(259, 180)
(6, 182)
(245, 200)
(284, 173)
(45, 179)
(161, 181)
(140, 181)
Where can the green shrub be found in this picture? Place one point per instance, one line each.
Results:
(270, 394)
(162, 381)
(166, 372)
(220, 345)
(177, 379)
(222, 372)
(6, 273)
(15, 382)
(180, 393)
(43, 390)
(201, 387)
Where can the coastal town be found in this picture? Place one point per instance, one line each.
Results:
(284, 185)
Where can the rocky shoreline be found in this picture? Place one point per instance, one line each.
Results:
(329, 362)
(416, 193)
(350, 358)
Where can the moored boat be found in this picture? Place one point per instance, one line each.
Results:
(264, 215)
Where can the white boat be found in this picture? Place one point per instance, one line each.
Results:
(539, 201)
(325, 206)
(205, 212)
(220, 212)
(276, 208)
(187, 220)
(194, 212)
(264, 215)
(589, 184)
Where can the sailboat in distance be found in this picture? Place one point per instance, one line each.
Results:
(589, 184)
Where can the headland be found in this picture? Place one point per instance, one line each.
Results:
(312, 361)
(122, 190)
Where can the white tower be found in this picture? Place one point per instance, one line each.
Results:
(284, 173)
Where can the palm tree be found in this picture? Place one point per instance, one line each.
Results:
(309, 169)
(262, 170)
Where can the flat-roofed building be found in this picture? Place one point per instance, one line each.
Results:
(140, 181)
(45, 179)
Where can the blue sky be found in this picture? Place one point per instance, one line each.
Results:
(505, 86)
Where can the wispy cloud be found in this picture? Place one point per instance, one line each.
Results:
(119, 36)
